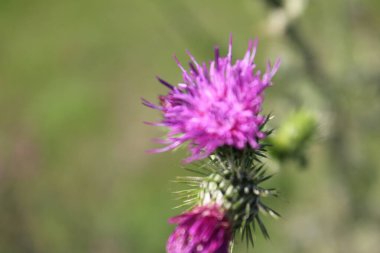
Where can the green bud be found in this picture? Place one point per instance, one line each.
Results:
(291, 138)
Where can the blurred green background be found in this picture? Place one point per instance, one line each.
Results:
(74, 175)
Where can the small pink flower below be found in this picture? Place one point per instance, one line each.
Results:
(204, 229)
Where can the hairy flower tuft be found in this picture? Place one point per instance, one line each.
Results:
(218, 104)
(203, 229)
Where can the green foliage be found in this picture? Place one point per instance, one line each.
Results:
(74, 175)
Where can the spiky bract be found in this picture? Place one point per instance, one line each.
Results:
(232, 180)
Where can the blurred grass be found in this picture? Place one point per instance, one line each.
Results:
(74, 175)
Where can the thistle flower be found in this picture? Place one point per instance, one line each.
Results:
(216, 110)
(203, 229)
(216, 105)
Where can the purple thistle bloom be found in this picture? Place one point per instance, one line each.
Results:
(216, 105)
(204, 229)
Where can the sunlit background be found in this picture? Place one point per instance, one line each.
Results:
(74, 174)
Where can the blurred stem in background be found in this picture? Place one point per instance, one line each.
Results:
(349, 173)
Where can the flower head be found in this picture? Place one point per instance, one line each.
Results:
(216, 105)
(203, 229)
